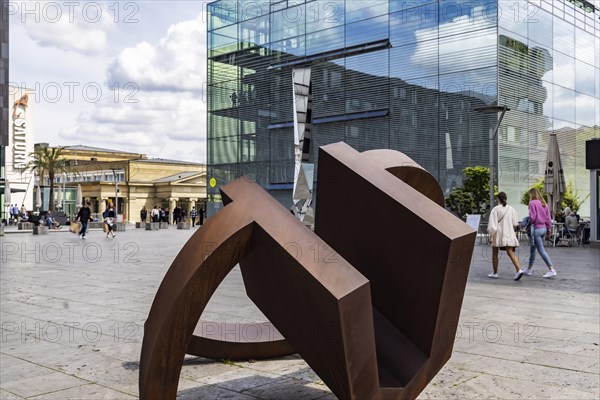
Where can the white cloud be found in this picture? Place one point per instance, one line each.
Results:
(177, 62)
(54, 24)
(166, 124)
(453, 49)
(167, 116)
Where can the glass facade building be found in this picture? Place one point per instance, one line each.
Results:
(403, 75)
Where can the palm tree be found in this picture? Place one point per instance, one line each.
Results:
(48, 160)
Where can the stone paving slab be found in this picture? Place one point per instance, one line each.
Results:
(72, 314)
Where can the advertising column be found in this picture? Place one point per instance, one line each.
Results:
(20, 146)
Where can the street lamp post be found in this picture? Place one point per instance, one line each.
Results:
(492, 135)
(64, 190)
(116, 195)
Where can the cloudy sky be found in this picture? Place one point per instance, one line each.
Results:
(116, 74)
(131, 75)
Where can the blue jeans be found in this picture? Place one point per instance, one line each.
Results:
(83, 228)
(536, 241)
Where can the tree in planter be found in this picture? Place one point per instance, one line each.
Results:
(473, 196)
(572, 197)
(460, 202)
(50, 161)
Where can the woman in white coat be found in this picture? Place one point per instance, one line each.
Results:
(501, 230)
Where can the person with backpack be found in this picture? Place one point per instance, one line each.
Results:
(541, 225)
(501, 230)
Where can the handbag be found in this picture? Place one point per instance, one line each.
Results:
(75, 227)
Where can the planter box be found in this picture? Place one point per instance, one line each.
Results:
(152, 226)
(25, 225)
(140, 225)
(163, 225)
(183, 225)
(95, 225)
(40, 230)
(119, 227)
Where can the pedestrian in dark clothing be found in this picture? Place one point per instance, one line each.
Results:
(83, 216)
(176, 215)
(143, 214)
(201, 215)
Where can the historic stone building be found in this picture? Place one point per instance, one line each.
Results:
(137, 180)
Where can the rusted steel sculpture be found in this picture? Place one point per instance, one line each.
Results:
(375, 319)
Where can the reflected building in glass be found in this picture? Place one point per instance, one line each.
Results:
(404, 76)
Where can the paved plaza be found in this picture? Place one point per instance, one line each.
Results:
(72, 315)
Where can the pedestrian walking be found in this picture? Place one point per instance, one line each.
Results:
(541, 225)
(193, 214)
(155, 214)
(109, 219)
(501, 230)
(14, 213)
(83, 216)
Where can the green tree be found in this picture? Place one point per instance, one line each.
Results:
(48, 161)
(461, 202)
(572, 197)
(474, 196)
(477, 182)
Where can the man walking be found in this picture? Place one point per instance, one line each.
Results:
(83, 216)
(193, 214)
(155, 214)
(14, 213)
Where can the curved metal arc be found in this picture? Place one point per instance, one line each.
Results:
(408, 171)
(182, 297)
(336, 297)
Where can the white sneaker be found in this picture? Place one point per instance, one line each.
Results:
(493, 276)
(527, 272)
(518, 274)
(549, 274)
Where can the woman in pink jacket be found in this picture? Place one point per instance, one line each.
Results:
(541, 224)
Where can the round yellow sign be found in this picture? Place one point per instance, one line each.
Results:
(213, 182)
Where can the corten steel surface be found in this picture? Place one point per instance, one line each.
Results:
(321, 305)
(415, 254)
(388, 342)
(236, 341)
(403, 167)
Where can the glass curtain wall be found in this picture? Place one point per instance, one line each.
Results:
(385, 74)
(549, 59)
